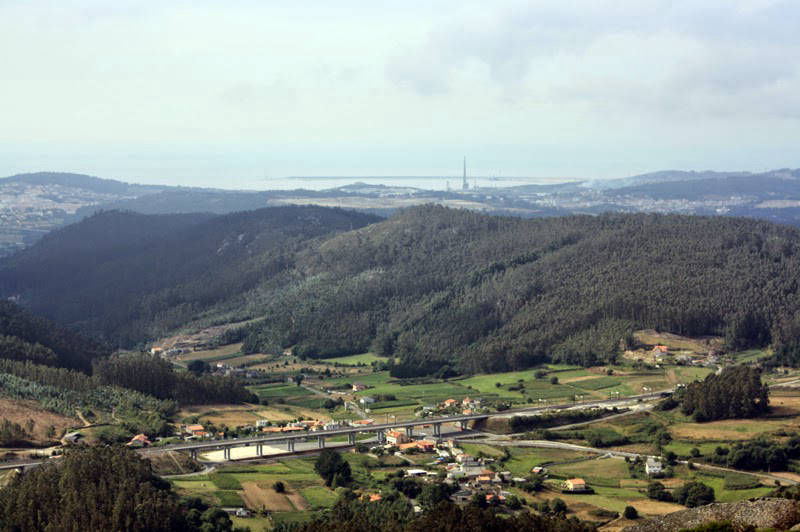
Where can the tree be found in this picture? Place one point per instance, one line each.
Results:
(657, 491)
(434, 493)
(198, 367)
(694, 494)
(557, 506)
(553, 380)
(329, 465)
(279, 487)
(737, 392)
(298, 379)
(95, 488)
(630, 513)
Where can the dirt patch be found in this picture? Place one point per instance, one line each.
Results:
(298, 500)
(257, 498)
(785, 474)
(729, 429)
(22, 411)
(172, 463)
(651, 507)
(578, 379)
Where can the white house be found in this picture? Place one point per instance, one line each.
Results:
(652, 466)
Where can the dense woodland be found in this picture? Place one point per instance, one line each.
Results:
(130, 277)
(737, 392)
(443, 290)
(394, 514)
(24, 336)
(100, 488)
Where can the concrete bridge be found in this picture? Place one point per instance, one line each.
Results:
(289, 440)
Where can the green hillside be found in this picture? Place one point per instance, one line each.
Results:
(438, 288)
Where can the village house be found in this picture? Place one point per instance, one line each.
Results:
(653, 466)
(366, 400)
(261, 423)
(358, 387)
(396, 437)
(196, 430)
(576, 485)
(362, 422)
(449, 402)
(331, 425)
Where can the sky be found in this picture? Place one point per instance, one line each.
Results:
(244, 93)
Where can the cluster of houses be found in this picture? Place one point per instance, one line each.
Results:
(464, 406)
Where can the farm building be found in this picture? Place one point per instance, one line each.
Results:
(576, 485)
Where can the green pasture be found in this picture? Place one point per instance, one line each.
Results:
(355, 360)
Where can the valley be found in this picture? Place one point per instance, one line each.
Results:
(441, 355)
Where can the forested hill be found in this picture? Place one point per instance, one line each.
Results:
(26, 337)
(129, 277)
(437, 287)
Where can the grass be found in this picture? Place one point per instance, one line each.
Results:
(524, 459)
(356, 360)
(229, 498)
(213, 355)
(598, 383)
(605, 472)
(726, 495)
(225, 481)
(319, 497)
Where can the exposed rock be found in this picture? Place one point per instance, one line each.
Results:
(779, 514)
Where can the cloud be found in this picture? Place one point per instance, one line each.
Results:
(719, 57)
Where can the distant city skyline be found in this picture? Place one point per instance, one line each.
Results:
(227, 94)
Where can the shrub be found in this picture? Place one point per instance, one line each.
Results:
(279, 487)
(630, 513)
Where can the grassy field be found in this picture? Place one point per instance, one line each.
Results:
(676, 342)
(212, 355)
(251, 486)
(356, 360)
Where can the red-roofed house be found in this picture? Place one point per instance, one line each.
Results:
(396, 437)
(140, 440)
(196, 430)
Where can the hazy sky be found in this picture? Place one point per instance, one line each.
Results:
(227, 93)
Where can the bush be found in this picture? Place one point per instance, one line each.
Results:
(279, 487)
(554, 380)
(630, 513)
(693, 494)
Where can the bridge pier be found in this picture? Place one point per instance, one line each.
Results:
(259, 449)
(437, 429)
(226, 453)
(381, 436)
(410, 431)
(290, 445)
(463, 424)
(321, 442)
(351, 438)
(193, 453)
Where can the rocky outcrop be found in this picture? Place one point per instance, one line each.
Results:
(778, 514)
